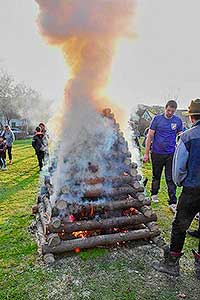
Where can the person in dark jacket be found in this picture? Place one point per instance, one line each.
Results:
(2, 154)
(38, 145)
(186, 173)
(45, 141)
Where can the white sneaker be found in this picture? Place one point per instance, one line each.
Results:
(3, 168)
(154, 198)
(172, 207)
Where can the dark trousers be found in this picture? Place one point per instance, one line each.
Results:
(2, 161)
(159, 161)
(40, 157)
(9, 148)
(187, 208)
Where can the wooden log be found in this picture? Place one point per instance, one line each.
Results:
(43, 190)
(106, 112)
(132, 172)
(53, 240)
(123, 204)
(65, 189)
(116, 180)
(139, 189)
(48, 259)
(55, 211)
(61, 204)
(75, 208)
(137, 177)
(96, 193)
(134, 165)
(128, 154)
(153, 226)
(47, 205)
(127, 161)
(55, 222)
(159, 241)
(41, 239)
(43, 216)
(34, 209)
(102, 223)
(146, 211)
(139, 196)
(47, 180)
(100, 240)
(135, 184)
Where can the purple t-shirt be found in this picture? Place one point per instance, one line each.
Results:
(164, 141)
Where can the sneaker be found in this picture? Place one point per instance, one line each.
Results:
(154, 198)
(3, 168)
(172, 207)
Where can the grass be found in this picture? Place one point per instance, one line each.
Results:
(122, 273)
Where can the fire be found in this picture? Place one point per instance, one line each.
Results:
(81, 234)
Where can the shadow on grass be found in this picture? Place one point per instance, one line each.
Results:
(23, 159)
(19, 147)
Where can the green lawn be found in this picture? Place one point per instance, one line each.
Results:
(118, 273)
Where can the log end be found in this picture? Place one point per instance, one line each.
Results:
(49, 259)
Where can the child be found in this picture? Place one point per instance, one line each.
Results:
(2, 154)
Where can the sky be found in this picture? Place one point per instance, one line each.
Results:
(161, 62)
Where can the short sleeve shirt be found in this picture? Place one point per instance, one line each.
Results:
(166, 130)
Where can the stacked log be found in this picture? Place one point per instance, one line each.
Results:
(111, 209)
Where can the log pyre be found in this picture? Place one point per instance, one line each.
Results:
(110, 208)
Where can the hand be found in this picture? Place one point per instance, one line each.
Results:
(146, 158)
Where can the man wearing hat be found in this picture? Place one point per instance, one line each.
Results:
(186, 173)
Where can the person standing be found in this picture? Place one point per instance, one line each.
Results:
(37, 144)
(2, 154)
(161, 140)
(186, 173)
(10, 138)
(45, 141)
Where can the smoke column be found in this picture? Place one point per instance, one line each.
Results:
(87, 31)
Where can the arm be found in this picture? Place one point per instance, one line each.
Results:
(149, 140)
(180, 129)
(13, 137)
(179, 170)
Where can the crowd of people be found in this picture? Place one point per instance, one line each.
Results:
(39, 143)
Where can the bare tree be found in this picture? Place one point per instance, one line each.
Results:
(20, 100)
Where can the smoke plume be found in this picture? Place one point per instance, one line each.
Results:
(87, 31)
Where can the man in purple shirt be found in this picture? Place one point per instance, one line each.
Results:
(161, 139)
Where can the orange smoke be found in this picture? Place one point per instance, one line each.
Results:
(88, 32)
